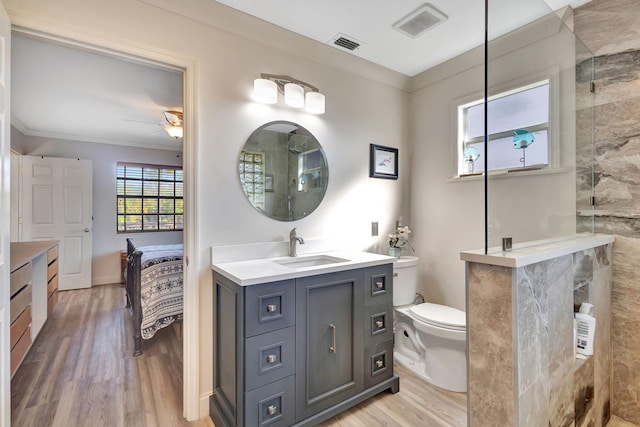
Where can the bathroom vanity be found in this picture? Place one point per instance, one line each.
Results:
(298, 340)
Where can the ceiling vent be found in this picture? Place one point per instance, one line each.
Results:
(346, 42)
(420, 20)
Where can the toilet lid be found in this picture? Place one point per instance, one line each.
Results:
(440, 315)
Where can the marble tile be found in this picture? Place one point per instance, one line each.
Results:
(608, 26)
(625, 325)
(490, 345)
(533, 408)
(583, 390)
(602, 341)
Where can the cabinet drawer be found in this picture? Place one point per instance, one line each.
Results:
(20, 349)
(20, 325)
(378, 362)
(52, 286)
(19, 278)
(272, 405)
(269, 307)
(378, 284)
(52, 254)
(52, 269)
(19, 302)
(269, 357)
(378, 324)
(51, 302)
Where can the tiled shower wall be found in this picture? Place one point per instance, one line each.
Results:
(522, 370)
(611, 30)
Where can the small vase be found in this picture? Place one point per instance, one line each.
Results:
(394, 251)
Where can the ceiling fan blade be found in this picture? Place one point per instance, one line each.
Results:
(141, 121)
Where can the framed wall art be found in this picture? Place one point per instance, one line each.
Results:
(383, 162)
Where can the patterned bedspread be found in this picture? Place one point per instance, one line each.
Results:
(161, 287)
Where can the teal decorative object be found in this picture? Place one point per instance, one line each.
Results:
(521, 140)
(471, 154)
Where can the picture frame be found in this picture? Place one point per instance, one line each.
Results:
(268, 183)
(383, 162)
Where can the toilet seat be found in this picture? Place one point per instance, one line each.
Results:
(441, 316)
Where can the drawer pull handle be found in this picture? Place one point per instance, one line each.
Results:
(333, 348)
(379, 323)
(272, 410)
(271, 358)
(271, 308)
(379, 363)
(395, 274)
(379, 285)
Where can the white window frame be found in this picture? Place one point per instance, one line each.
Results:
(551, 76)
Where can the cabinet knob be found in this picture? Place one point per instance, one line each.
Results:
(271, 358)
(272, 410)
(379, 285)
(379, 323)
(379, 363)
(271, 308)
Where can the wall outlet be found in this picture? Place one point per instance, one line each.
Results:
(374, 228)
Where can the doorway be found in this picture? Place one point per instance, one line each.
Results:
(180, 65)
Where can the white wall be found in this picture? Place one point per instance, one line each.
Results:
(107, 243)
(448, 214)
(360, 111)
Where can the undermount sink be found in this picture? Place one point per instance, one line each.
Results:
(309, 261)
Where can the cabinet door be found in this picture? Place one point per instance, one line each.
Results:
(329, 342)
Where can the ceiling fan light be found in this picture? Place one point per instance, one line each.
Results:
(265, 91)
(175, 132)
(314, 102)
(294, 95)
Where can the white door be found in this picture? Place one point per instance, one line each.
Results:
(5, 197)
(57, 199)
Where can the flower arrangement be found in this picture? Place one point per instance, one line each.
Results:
(400, 238)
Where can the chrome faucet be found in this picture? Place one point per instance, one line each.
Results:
(293, 239)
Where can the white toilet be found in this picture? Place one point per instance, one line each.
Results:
(430, 339)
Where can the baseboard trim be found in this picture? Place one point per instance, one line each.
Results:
(204, 404)
(105, 280)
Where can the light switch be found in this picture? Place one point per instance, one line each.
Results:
(374, 228)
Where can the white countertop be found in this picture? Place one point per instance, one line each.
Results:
(255, 271)
(535, 251)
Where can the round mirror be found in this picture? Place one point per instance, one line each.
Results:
(283, 171)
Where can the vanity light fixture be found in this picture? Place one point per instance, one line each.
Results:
(266, 88)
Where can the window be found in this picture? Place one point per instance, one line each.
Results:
(150, 198)
(518, 128)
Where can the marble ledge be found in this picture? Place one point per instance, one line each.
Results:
(533, 252)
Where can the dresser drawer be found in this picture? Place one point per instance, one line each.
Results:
(52, 254)
(51, 302)
(19, 350)
(20, 325)
(378, 324)
(378, 285)
(272, 405)
(52, 286)
(378, 362)
(19, 302)
(52, 269)
(269, 307)
(269, 357)
(19, 278)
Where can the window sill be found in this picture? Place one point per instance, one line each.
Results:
(509, 173)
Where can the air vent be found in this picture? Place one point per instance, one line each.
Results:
(346, 42)
(420, 20)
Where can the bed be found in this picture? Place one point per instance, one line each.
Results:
(154, 288)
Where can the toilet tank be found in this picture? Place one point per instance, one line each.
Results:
(405, 280)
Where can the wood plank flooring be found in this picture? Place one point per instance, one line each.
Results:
(81, 372)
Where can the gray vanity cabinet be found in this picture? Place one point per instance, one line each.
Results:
(298, 351)
(329, 352)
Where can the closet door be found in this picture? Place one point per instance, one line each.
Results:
(57, 204)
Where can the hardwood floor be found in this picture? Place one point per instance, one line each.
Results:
(81, 372)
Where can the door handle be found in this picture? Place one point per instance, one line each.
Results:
(86, 230)
(333, 348)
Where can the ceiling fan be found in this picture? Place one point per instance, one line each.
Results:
(173, 124)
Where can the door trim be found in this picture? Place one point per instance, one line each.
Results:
(50, 30)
